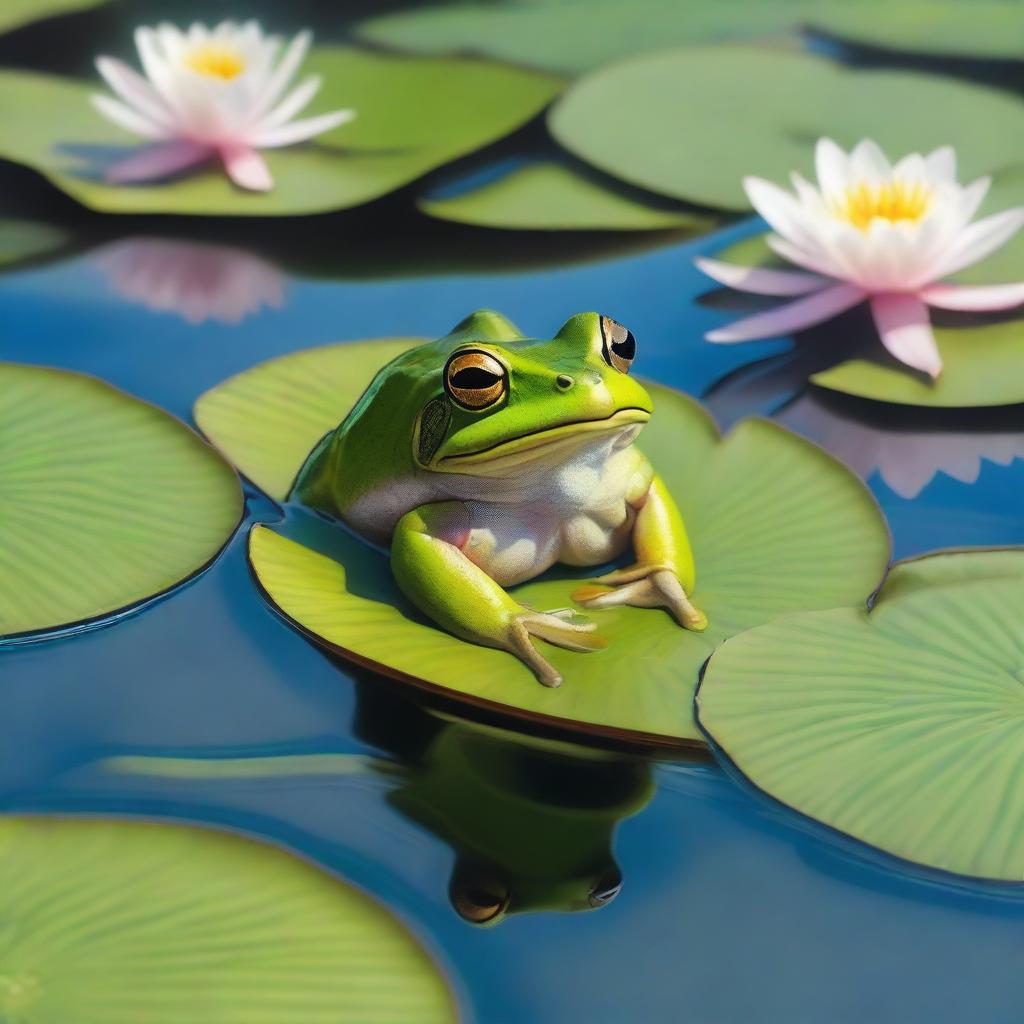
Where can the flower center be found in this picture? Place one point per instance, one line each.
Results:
(893, 200)
(215, 60)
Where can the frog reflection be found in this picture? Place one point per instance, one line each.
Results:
(531, 821)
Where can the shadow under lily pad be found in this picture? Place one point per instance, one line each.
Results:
(776, 524)
(900, 727)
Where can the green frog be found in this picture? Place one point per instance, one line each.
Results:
(486, 457)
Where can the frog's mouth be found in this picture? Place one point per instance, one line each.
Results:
(627, 421)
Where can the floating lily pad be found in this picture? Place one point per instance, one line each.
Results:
(122, 922)
(900, 727)
(15, 13)
(552, 195)
(777, 525)
(413, 114)
(577, 35)
(106, 500)
(25, 240)
(669, 143)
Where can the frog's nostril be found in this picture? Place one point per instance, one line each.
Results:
(564, 381)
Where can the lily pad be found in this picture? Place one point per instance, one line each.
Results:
(15, 13)
(413, 114)
(552, 195)
(670, 144)
(900, 727)
(121, 922)
(577, 35)
(776, 524)
(24, 240)
(106, 500)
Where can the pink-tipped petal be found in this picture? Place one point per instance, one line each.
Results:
(155, 162)
(974, 298)
(246, 168)
(299, 131)
(903, 325)
(131, 87)
(794, 316)
(128, 118)
(980, 239)
(761, 280)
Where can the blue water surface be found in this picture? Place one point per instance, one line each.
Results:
(729, 911)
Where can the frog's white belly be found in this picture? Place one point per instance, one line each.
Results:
(580, 515)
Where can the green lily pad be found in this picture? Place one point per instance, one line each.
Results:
(777, 525)
(576, 35)
(24, 240)
(900, 727)
(413, 114)
(122, 922)
(15, 13)
(667, 142)
(552, 195)
(106, 500)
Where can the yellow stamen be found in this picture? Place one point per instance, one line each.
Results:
(215, 60)
(893, 200)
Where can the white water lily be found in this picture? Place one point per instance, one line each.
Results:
(211, 92)
(872, 231)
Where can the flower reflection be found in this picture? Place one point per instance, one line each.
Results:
(906, 455)
(198, 281)
(876, 232)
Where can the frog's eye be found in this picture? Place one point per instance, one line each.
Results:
(475, 380)
(478, 895)
(607, 888)
(618, 346)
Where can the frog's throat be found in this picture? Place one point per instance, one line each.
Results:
(573, 434)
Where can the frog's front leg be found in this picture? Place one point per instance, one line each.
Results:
(663, 575)
(457, 594)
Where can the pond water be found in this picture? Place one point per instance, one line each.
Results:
(729, 910)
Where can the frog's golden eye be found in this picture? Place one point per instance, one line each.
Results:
(474, 379)
(618, 346)
(478, 895)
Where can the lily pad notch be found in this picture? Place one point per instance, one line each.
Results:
(898, 727)
(777, 526)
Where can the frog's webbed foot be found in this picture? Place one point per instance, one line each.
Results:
(555, 627)
(643, 586)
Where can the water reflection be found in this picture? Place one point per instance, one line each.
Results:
(906, 447)
(531, 820)
(198, 281)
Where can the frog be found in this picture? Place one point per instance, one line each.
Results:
(482, 459)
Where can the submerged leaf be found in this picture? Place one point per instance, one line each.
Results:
(121, 922)
(104, 500)
(900, 727)
(776, 524)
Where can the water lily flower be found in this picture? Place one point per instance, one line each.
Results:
(877, 232)
(211, 92)
(198, 281)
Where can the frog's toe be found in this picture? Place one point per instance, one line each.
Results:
(660, 589)
(553, 628)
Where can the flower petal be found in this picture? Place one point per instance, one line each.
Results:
(868, 162)
(299, 131)
(940, 164)
(292, 103)
(131, 87)
(831, 166)
(782, 212)
(792, 317)
(974, 298)
(761, 280)
(158, 71)
(127, 117)
(294, 55)
(160, 161)
(246, 168)
(903, 325)
(980, 239)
